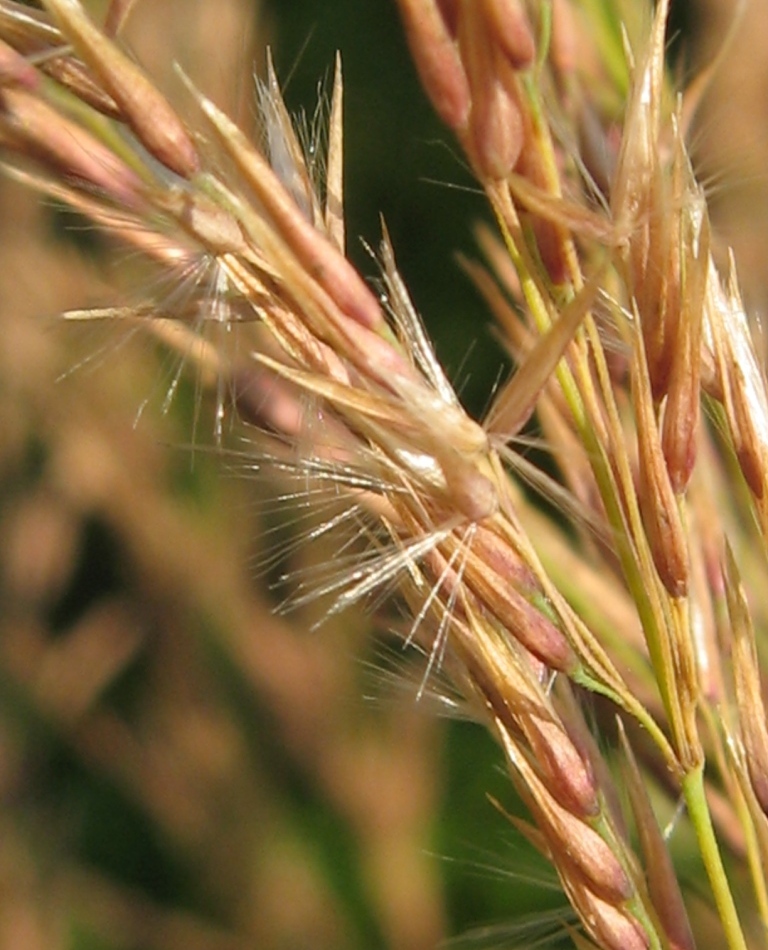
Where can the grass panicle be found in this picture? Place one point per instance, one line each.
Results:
(635, 368)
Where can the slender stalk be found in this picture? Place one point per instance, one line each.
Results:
(695, 796)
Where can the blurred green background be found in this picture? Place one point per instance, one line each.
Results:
(178, 766)
(400, 164)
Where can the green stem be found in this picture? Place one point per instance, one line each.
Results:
(696, 801)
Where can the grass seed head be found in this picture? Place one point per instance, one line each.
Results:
(15, 70)
(148, 113)
(320, 259)
(468, 55)
(612, 927)
(658, 502)
(509, 28)
(579, 852)
(437, 60)
(680, 426)
(663, 885)
(748, 687)
(37, 129)
(740, 379)
(32, 33)
(494, 136)
(280, 325)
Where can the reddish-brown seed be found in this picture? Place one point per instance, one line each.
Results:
(661, 518)
(15, 70)
(54, 140)
(574, 845)
(746, 675)
(662, 879)
(495, 134)
(143, 107)
(510, 29)
(437, 60)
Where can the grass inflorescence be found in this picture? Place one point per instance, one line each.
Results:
(610, 642)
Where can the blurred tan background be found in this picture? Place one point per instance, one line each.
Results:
(730, 136)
